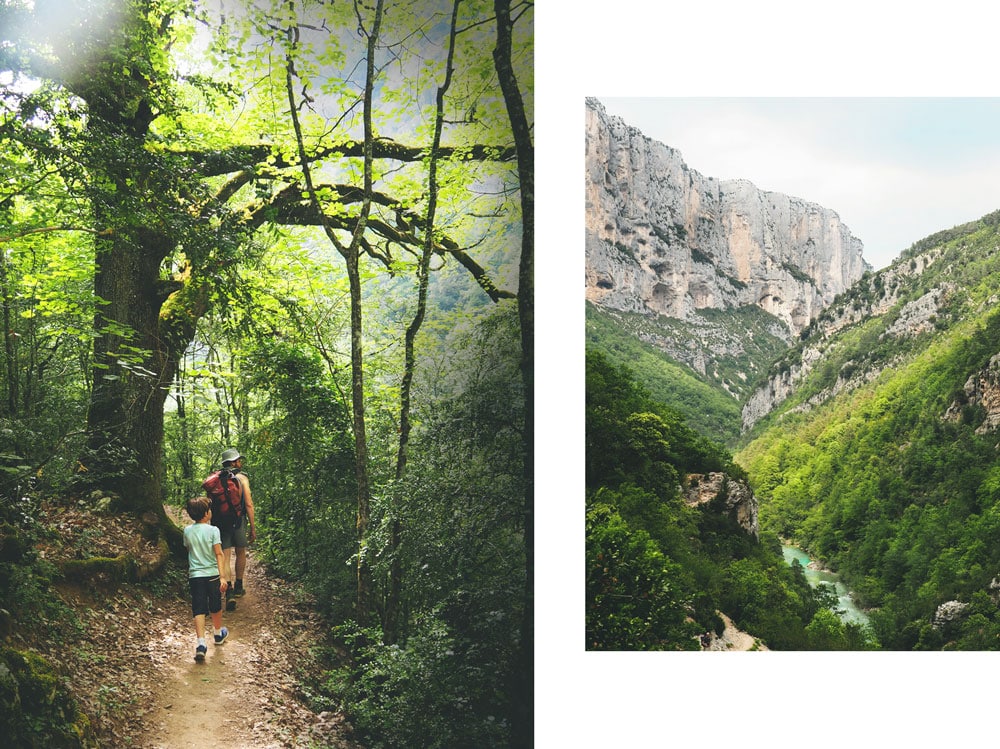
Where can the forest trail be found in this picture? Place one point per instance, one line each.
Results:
(245, 693)
(130, 656)
(241, 695)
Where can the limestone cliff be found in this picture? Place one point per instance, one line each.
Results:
(661, 239)
(888, 293)
(736, 498)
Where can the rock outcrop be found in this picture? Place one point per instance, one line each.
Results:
(738, 499)
(982, 389)
(874, 296)
(732, 639)
(948, 613)
(662, 239)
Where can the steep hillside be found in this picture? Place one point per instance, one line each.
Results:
(881, 452)
(708, 393)
(879, 320)
(673, 543)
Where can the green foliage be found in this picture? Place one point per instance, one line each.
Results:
(898, 497)
(634, 598)
(36, 709)
(301, 464)
(421, 693)
(47, 304)
(631, 438)
(446, 681)
(658, 570)
(25, 577)
(798, 274)
(947, 235)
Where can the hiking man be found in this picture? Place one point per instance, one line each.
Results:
(232, 508)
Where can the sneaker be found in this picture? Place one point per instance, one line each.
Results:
(199, 653)
(230, 599)
(221, 637)
(240, 590)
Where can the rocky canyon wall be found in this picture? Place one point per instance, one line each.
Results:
(663, 239)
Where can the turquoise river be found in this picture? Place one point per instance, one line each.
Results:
(849, 611)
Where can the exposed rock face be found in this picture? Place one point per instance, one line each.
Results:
(740, 501)
(663, 239)
(948, 613)
(981, 389)
(777, 388)
(732, 639)
(877, 294)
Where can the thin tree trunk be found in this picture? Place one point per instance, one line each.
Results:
(186, 457)
(10, 362)
(523, 723)
(390, 619)
(352, 256)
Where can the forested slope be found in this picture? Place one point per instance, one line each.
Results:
(883, 460)
(707, 407)
(660, 568)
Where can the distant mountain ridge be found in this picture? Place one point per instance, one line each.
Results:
(661, 239)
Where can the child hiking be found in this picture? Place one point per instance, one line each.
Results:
(205, 572)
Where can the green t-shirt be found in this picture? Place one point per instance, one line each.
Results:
(200, 540)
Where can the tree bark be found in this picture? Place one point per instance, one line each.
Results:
(10, 358)
(523, 718)
(364, 597)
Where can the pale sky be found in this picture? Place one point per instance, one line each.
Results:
(894, 169)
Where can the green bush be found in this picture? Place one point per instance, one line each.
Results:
(36, 710)
(427, 693)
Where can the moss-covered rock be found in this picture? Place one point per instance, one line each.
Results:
(36, 710)
(13, 544)
(115, 570)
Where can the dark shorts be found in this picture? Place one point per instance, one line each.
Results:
(205, 595)
(234, 536)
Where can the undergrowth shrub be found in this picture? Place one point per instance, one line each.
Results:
(425, 693)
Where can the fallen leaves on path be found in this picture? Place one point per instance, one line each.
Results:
(130, 662)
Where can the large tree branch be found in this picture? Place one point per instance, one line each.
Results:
(288, 207)
(224, 161)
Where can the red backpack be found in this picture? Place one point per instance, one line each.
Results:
(226, 493)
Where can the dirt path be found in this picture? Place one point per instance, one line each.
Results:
(245, 693)
(242, 694)
(129, 658)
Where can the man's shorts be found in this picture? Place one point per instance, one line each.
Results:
(205, 595)
(234, 536)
